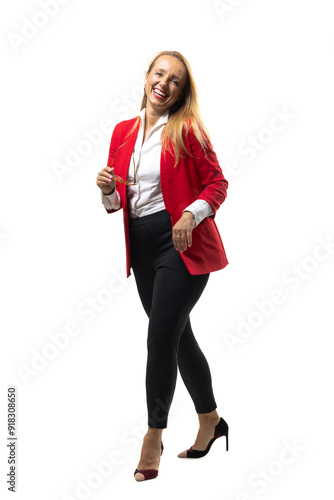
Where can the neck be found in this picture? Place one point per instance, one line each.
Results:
(152, 116)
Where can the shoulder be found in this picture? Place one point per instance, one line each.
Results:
(196, 136)
(193, 129)
(126, 124)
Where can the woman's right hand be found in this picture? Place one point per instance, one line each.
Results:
(104, 180)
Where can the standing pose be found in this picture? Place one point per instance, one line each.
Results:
(164, 174)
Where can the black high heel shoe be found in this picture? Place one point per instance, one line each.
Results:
(149, 473)
(221, 429)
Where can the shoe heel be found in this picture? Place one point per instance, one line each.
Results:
(222, 430)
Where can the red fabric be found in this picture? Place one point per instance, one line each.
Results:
(197, 177)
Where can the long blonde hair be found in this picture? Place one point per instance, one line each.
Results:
(182, 114)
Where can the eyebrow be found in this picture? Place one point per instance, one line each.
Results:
(164, 71)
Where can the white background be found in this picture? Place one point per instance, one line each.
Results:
(60, 250)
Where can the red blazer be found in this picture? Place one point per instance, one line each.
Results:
(197, 177)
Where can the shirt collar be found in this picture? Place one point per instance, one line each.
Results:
(162, 120)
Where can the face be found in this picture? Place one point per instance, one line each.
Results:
(165, 82)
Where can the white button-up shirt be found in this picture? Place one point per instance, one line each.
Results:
(145, 197)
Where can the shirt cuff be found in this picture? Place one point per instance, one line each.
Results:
(200, 209)
(111, 201)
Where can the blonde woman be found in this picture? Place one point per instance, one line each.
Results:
(164, 174)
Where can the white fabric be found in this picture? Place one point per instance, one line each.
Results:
(145, 197)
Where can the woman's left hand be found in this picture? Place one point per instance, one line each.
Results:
(182, 237)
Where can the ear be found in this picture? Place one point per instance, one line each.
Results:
(146, 78)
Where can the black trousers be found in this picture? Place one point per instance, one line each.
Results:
(168, 293)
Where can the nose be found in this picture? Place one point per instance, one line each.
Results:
(163, 82)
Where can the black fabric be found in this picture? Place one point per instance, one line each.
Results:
(168, 293)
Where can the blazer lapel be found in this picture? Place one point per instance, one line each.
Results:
(123, 156)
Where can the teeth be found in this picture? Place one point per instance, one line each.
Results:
(159, 93)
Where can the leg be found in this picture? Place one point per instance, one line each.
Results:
(144, 274)
(151, 447)
(175, 294)
(195, 372)
(168, 294)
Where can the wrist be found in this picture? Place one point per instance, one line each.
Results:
(107, 194)
(191, 218)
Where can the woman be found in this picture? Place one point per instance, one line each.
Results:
(163, 172)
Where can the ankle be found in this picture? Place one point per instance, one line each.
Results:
(154, 434)
(208, 417)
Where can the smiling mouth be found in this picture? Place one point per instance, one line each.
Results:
(160, 94)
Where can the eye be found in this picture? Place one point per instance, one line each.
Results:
(160, 74)
(176, 82)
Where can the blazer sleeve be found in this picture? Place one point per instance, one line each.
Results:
(211, 175)
(112, 148)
